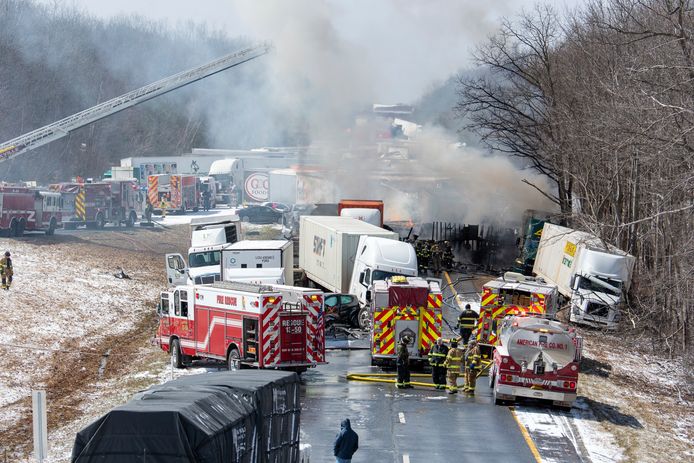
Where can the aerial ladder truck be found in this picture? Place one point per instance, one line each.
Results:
(61, 128)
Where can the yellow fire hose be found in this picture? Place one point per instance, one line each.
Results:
(387, 378)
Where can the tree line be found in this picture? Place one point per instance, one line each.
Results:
(601, 101)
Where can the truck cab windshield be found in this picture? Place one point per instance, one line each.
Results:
(586, 284)
(203, 259)
(382, 275)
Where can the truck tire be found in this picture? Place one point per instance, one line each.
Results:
(132, 218)
(364, 319)
(176, 357)
(234, 360)
(100, 222)
(496, 401)
(51, 227)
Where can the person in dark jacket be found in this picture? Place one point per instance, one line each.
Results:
(403, 365)
(466, 323)
(437, 355)
(346, 443)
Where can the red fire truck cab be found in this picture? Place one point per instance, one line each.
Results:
(243, 324)
(24, 209)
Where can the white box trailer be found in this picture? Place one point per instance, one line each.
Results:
(328, 247)
(283, 186)
(256, 256)
(589, 273)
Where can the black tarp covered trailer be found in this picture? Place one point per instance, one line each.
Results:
(243, 416)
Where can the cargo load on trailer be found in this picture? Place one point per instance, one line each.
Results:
(259, 261)
(512, 294)
(535, 358)
(25, 209)
(245, 417)
(590, 274)
(260, 326)
(407, 308)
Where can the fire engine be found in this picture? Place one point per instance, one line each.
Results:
(96, 204)
(24, 209)
(537, 358)
(404, 307)
(243, 324)
(512, 294)
(174, 192)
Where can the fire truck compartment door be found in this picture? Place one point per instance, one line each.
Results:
(176, 271)
(408, 328)
(292, 338)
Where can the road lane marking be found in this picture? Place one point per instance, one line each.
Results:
(453, 290)
(401, 417)
(526, 436)
(405, 458)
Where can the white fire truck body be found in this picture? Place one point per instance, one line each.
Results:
(243, 324)
(536, 358)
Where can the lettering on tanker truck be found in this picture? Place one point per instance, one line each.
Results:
(257, 187)
(540, 343)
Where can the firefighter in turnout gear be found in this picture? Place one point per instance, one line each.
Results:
(453, 361)
(437, 356)
(472, 366)
(466, 323)
(436, 258)
(403, 365)
(6, 270)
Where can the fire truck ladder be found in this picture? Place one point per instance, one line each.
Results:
(61, 128)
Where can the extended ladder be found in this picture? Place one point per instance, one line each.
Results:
(59, 129)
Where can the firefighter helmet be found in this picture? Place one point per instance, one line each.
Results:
(7, 253)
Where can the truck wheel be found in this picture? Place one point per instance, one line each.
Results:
(132, 218)
(496, 401)
(51, 228)
(234, 360)
(176, 356)
(196, 209)
(100, 222)
(364, 319)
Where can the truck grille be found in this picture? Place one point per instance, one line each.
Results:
(597, 310)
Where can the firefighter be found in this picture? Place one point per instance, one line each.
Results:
(206, 200)
(6, 270)
(453, 361)
(448, 255)
(403, 365)
(148, 211)
(436, 256)
(466, 323)
(472, 366)
(437, 356)
(163, 205)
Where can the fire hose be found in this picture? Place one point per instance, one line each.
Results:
(390, 377)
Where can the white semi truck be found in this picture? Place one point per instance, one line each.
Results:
(346, 255)
(590, 274)
(259, 262)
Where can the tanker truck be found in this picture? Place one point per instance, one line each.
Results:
(590, 274)
(536, 358)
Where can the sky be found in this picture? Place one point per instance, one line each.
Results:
(408, 45)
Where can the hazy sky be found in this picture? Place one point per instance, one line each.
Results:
(408, 44)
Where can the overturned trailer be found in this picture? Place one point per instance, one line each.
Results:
(243, 416)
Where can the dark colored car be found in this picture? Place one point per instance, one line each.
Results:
(259, 214)
(344, 309)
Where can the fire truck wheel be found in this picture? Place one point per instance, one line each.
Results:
(51, 228)
(364, 319)
(234, 360)
(176, 356)
(100, 222)
(497, 401)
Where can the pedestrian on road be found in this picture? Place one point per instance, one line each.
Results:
(453, 361)
(466, 323)
(346, 443)
(6, 270)
(472, 366)
(403, 364)
(206, 200)
(437, 356)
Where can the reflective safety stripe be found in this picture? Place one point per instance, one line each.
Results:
(438, 355)
(455, 359)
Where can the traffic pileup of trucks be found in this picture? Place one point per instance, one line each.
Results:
(243, 324)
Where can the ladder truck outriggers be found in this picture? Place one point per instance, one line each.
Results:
(536, 358)
(63, 127)
(244, 325)
(404, 307)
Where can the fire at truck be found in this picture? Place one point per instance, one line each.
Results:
(24, 209)
(512, 294)
(404, 307)
(95, 204)
(174, 192)
(536, 358)
(243, 324)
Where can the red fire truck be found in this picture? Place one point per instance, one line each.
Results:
(174, 192)
(24, 209)
(96, 204)
(243, 324)
(536, 358)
